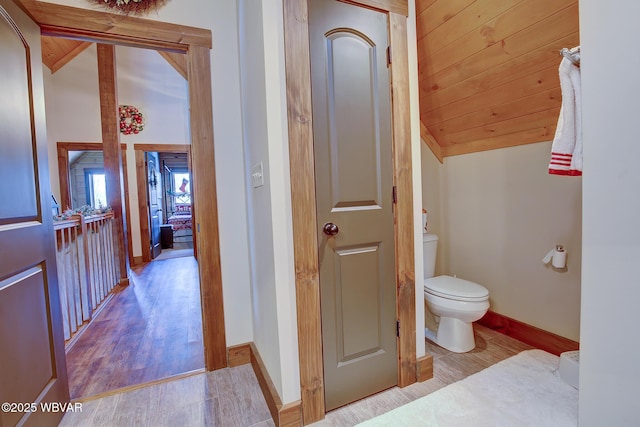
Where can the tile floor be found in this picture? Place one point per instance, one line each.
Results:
(232, 396)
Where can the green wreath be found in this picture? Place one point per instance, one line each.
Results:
(135, 7)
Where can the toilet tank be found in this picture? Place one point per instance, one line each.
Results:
(429, 249)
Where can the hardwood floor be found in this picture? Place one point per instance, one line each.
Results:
(150, 330)
(232, 396)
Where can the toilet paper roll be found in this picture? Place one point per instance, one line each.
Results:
(557, 257)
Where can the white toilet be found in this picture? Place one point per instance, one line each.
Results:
(454, 302)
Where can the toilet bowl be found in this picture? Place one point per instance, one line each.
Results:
(456, 303)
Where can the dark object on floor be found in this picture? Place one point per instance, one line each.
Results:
(166, 236)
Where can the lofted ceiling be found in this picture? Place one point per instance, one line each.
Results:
(488, 70)
(57, 52)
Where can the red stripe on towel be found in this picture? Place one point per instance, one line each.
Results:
(561, 154)
(560, 164)
(566, 172)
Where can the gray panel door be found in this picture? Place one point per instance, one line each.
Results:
(32, 360)
(354, 182)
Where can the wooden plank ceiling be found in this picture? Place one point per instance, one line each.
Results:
(488, 71)
(57, 52)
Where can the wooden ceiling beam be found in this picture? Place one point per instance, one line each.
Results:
(400, 7)
(83, 24)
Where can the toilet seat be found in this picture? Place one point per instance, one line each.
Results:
(455, 289)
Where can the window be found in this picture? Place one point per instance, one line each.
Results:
(181, 187)
(96, 188)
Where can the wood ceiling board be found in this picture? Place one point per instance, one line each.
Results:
(529, 136)
(421, 5)
(522, 43)
(534, 83)
(449, 89)
(531, 104)
(438, 13)
(57, 52)
(510, 26)
(506, 127)
(470, 20)
(488, 70)
(434, 111)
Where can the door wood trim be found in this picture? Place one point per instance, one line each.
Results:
(56, 20)
(141, 180)
(92, 25)
(393, 6)
(303, 203)
(205, 205)
(300, 128)
(405, 261)
(424, 368)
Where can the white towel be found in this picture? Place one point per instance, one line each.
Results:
(566, 150)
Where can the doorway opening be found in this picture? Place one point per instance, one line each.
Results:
(151, 329)
(166, 208)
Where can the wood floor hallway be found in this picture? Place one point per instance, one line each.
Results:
(150, 330)
(232, 396)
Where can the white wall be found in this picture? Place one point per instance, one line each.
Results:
(609, 368)
(417, 176)
(433, 200)
(73, 107)
(504, 212)
(271, 233)
(221, 17)
(497, 213)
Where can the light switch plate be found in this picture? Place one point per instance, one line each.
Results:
(257, 176)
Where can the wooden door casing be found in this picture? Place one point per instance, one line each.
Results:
(300, 131)
(354, 188)
(195, 43)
